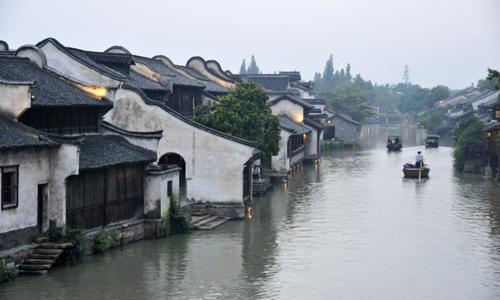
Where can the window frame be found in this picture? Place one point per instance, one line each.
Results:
(15, 186)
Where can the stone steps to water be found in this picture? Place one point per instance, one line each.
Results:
(207, 222)
(33, 272)
(48, 251)
(36, 261)
(211, 225)
(196, 219)
(43, 257)
(34, 267)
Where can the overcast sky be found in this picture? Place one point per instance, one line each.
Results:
(447, 42)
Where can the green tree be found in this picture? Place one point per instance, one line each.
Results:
(252, 67)
(437, 93)
(243, 68)
(348, 75)
(492, 74)
(485, 85)
(328, 82)
(349, 99)
(406, 75)
(318, 81)
(245, 113)
(434, 121)
(385, 98)
(467, 135)
(342, 77)
(413, 99)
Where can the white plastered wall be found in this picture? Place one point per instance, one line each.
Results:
(33, 170)
(214, 165)
(64, 162)
(281, 162)
(64, 64)
(14, 99)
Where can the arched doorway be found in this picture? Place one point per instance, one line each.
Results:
(178, 160)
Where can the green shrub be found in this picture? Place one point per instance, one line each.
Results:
(105, 239)
(178, 218)
(6, 273)
(467, 137)
(75, 234)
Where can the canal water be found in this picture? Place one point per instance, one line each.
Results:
(350, 227)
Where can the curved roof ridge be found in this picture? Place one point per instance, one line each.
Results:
(5, 45)
(152, 134)
(189, 121)
(93, 65)
(116, 47)
(219, 69)
(43, 58)
(209, 70)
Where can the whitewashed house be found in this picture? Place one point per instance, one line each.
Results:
(215, 167)
(92, 170)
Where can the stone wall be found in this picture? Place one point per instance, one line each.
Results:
(14, 238)
(127, 232)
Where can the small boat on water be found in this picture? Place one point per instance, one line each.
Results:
(432, 141)
(410, 171)
(394, 143)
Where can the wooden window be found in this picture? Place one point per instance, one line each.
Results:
(169, 188)
(10, 179)
(187, 103)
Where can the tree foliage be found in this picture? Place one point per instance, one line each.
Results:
(436, 94)
(328, 74)
(349, 99)
(467, 136)
(406, 75)
(252, 67)
(492, 74)
(243, 68)
(434, 121)
(244, 113)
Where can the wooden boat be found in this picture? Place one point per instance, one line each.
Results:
(412, 172)
(432, 141)
(394, 143)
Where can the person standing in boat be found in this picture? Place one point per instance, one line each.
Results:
(419, 159)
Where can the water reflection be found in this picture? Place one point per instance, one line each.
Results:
(351, 228)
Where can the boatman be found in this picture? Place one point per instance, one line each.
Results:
(419, 159)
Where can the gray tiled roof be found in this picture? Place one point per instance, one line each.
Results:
(110, 57)
(316, 101)
(314, 124)
(177, 78)
(298, 101)
(270, 82)
(290, 124)
(48, 90)
(345, 117)
(294, 75)
(14, 135)
(137, 80)
(84, 58)
(99, 151)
